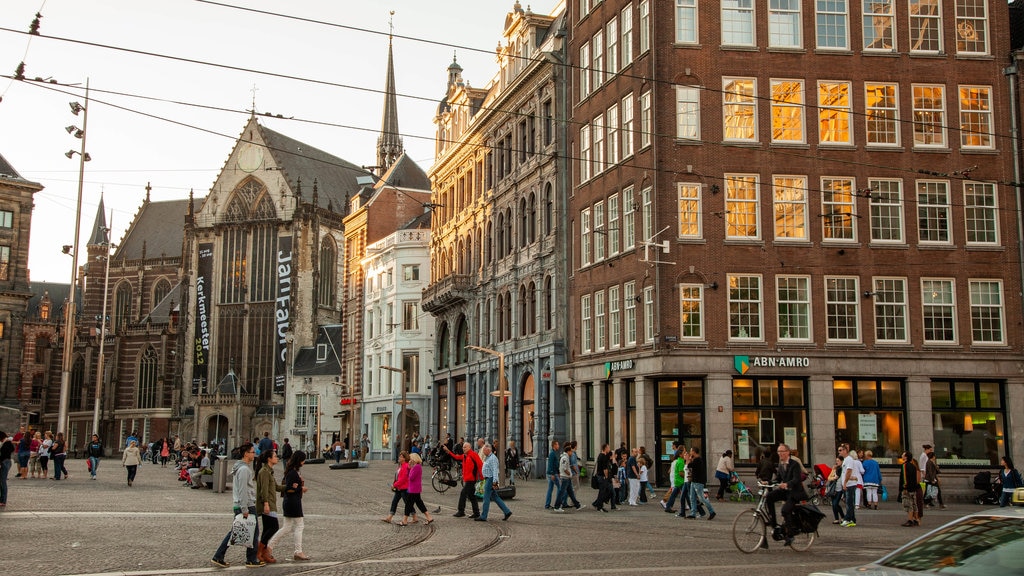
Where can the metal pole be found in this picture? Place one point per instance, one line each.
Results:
(103, 331)
(402, 402)
(502, 386)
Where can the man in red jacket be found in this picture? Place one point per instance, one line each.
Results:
(472, 470)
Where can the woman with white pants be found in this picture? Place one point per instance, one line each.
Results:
(292, 506)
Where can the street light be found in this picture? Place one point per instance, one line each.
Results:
(501, 393)
(351, 417)
(103, 326)
(69, 324)
(403, 402)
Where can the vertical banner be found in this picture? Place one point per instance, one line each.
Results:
(282, 311)
(201, 347)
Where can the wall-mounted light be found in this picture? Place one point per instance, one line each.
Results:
(937, 424)
(841, 420)
(968, 423)
(869, 294)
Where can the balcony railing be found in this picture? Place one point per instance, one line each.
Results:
(447, 292)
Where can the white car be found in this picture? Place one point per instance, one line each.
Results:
(987, 543)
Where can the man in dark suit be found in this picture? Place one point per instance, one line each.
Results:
(790, 488)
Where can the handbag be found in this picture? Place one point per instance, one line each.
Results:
(883, 494)
(593, 482)
(479, 490)
(832, 488)
(721, 475)
(243, 530)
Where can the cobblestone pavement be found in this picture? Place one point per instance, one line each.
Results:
(80, 526)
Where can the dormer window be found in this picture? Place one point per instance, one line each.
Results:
(321, 352)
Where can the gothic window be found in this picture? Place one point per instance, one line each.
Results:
(122, 305)
(147, 379)
(160, 291)
(77, 383)
(443, 350)
(461, 341)
(328, 269)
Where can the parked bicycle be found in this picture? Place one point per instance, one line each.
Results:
(750, 528)
(525, 469)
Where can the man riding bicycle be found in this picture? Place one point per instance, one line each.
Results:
(790, 488)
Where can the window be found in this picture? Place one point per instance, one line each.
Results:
(878, 19)
(549, 124)
(834, 109)
(784, 24)
(741, 207)
(122, 299)
(614, 318)
(881, 107)
(6, 219)
(687, 113)
(976, 117)
(584, 70)
(832, 25)
(585, 237)
(599, 321)
(647, 215)
(788, 111)
(645, 119)
(689, 210)
(597, 46)
(886, 205)
(842, 309)
(738, 22)
(147, 388)
(969, 417)
(739, 109)
(585, 326)
(986, 311)
(971, 27)
(613, 134)
(411, 272)
(837, 209)
(929, 115)
(629, 298)
(306, 410)
(597, 131)
(793, 294)
(686, 21)
(411, 371)
(600, 232)
(939, 311)
(744, 307)
(614, 240)
(628, 219)
(626, 29)
(410, 315)
(627, 126)
(691, 307)
(612, 49)
(161, 289)
(933, 211)
(585, 153)
(925, 26)
(5, 262)
(789, 200)
(767, 411)
(645, 26)
(871, 413)
(890, 298)
(980, 213)
(649, 324)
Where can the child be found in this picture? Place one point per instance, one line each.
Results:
(644, 484)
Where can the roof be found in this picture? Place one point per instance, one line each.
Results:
(309, 363)
(99, 226)
(7, 172)
(157, 230)
(58, 294)
(421, 222)
(161, 313)
(405, 173)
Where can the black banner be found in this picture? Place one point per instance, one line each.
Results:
(282, 311)
(201, 348)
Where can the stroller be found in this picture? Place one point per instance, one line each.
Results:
(738, 491)
(817, 484)
(991, 489)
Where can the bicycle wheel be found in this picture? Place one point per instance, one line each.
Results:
(803, 541)
(748, 531)
(440, 481)
(815, 499)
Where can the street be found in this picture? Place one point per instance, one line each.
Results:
(80, 526)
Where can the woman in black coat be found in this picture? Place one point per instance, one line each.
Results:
(291, 505)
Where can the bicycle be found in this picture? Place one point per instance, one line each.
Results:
(525, 469)
(442, 479)
(750, 528)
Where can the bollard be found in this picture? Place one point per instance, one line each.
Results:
(220, 474)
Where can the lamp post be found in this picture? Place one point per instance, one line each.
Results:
(351, 417)
(501, 394)
(69, 323)
(403, 402)
(103, 328)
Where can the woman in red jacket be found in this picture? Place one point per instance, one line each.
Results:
(413, 498)
(401, 484)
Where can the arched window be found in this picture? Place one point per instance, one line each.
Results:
(77, 383)
(549, 209)
(161, 289)
(549, 302)
(508, 231)
(327, 290)
(461, 341)
(507, 329)
(488, 243)
(523, 223)
(523, 323)
(122, 305)
(531, 221)
(443, 349)
(531, 309)
(501, 236)
(147, 379)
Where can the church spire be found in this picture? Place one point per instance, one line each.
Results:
(389, 143)
(99, 227)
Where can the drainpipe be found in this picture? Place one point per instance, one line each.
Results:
(1011, 75)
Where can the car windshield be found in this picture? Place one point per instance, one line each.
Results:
(976, 546)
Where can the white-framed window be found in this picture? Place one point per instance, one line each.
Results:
(614, 317)
(597, 51)
(838, 209)
(929, 115)
(611, 33)
(629, 301)
(742, 207)
(645, 26)
(971, 26)
(842, 309)
(784, 24)
(789, 203)
(626, 31)
(584, 65)
(627, 125)
(745, 305)
(687, 113)
(647, 213)
(878, 25)
(925, 26)
(628, 218)
(691, 311)
(645, 119)
(586, 328)
(597, 131)
(976, 116)
(599, 321)
(585, 158)
(585, 7)
(585, 237)
(686, 21)
(980, 213)
(689, 210)
(834, 111)
(738, 23)
(938, 310)
(793, 297)
(600, 232)
(788, 111)
(833, 24)
(986, 311)
(933, 212)
(739, 109)
(411, 315)
(614, 238)
(882, 113)
(649, 323)
(886, 205)
(890, 299)
(612, 118)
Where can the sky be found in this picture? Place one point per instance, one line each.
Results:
(171, 122)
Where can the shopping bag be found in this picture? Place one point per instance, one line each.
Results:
(884, 494)
(243, 530)
(479, 489)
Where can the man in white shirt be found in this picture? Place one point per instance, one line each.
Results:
(850, 478)
(922, 460)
